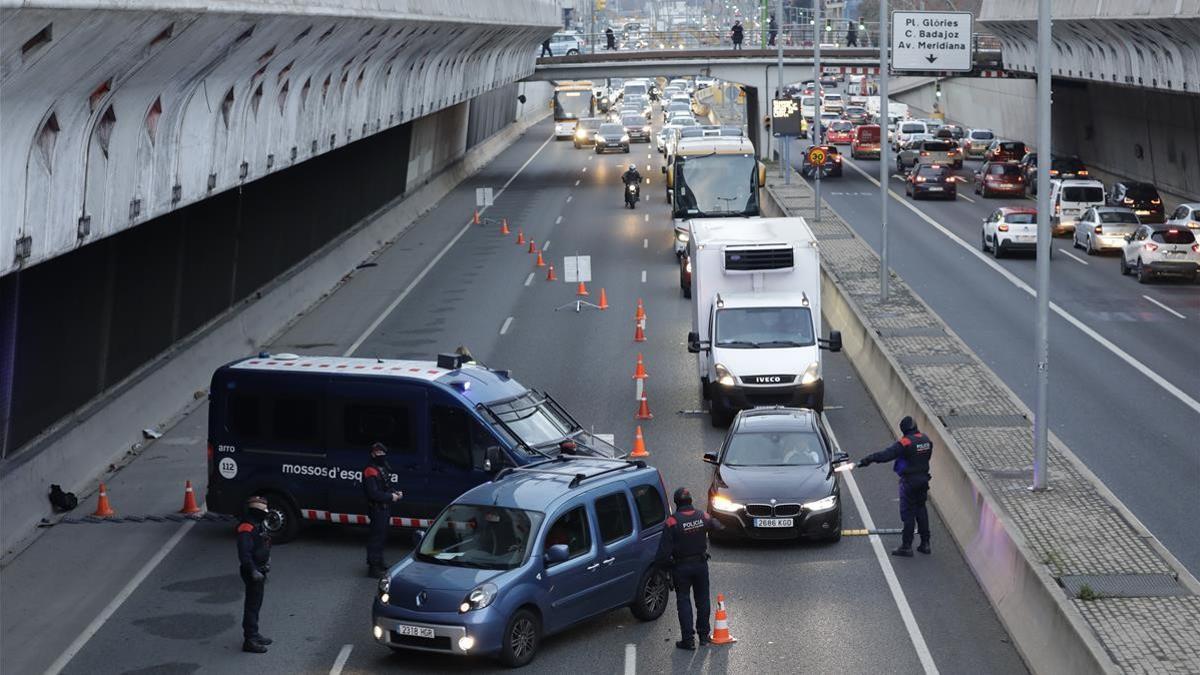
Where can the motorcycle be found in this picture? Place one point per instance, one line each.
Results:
(633, 192)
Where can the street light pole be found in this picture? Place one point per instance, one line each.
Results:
(787, 141)
(1041, 428)
(885, 114)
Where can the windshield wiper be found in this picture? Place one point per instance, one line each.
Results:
(737, 343)
(782, 343)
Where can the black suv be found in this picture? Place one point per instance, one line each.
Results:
(1143, 198)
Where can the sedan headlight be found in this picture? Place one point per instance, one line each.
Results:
(724, 377)
(821, 504)
(725, 504)
(385, 586)
(812, 373)
(625, 138)
(479, 598)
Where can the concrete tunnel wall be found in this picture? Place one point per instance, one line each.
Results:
(116, 113)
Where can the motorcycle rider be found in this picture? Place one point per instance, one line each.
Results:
(631, 177)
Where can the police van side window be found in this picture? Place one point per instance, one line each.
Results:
(650, 507)
(364, 424)
(296, 420)
(613, 517)
(457, 437)
(571, 529)
(243, 416)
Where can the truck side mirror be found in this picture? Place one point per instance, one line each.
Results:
(710, 457)
(834, 343)
(693, 341)
(557, 553)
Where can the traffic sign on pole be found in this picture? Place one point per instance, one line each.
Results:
(785, 117)
(816, 157)
(931, 41)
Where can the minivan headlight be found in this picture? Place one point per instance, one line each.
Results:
(821, 504)
(479, 598)
(812, 373)
(724, 377)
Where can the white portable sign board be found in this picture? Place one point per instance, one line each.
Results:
(931, 41)
(483, 196)
(577, 268)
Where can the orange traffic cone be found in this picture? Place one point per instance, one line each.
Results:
(643, 412)
(532, 247)
(582, 289)
(540, 262)
(520, 237)
(639, 444)
(103, 508)
(603, 300)
(721, 634)
(504, 226)
(640, 314)
(639, 333)
(639, 373)
(550, 274)
(476, 218)
(189, 499)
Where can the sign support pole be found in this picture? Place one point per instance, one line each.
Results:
(1042, 342)
(885, 115)
(787, 141)
(817, 130)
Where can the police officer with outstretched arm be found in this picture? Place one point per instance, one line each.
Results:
(377, 486)
(685, 547)
(911, 456)
(254, 558)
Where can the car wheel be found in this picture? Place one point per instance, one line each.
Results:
(704, 389)
(983, 241)
(1091, 247)
(687, 291)
(1124, 265)
(984, 193)
(572, 52)
(283, 519)
(627, 149)
(521, 638)
(1075, 240)
(719, 415)
(652, 595)
(997, 249)
(1143, 274)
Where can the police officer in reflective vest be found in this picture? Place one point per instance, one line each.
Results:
(685, 547)
(377, 486)
(911, 456)
(254, 558)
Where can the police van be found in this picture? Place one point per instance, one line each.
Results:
(297, 430)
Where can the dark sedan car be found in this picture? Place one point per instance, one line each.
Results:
(637, 128)
(995, 178)
(931, 180)
(774, 477)
(1061, 168)
(612, 136)
(1143, 198)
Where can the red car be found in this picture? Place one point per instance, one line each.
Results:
(865, 142)
(840, 133)
(996, 178)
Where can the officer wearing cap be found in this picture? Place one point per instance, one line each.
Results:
(911, 456)
(685, 547)
(377, 486)
(254, 556)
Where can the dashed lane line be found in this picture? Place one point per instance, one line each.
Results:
(1164, 306)
(889, 572)
(546, 246)
(436, 259)
(643, 276)
(630, 659)
(966, 198)
(645, 243)
(1074, 257)
(529, 279)
(576, 182)
(569, 198)
(504, 327)
(558, 220)
(1121, 354)
(647, 217)
(340, 662)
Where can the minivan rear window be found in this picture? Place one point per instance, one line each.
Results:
(613, 517)
(982, 135)
(649, 503)
(1083, 194)
(1116, 217)
(938, 146)
(1180, 236)
(912, 129)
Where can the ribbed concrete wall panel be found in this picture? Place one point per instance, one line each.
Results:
(117, 112)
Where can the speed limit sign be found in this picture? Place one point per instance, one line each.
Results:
(816, 155)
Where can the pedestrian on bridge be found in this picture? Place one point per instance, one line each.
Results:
(774, 28)
(610, 38)
(254, 562)
(684, 548)
(736, 34)
(852, 33)
(546, 51)
(377, 486)
(911, 456)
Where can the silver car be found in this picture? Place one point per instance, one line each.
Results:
(1104, 228)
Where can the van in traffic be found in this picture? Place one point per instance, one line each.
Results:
(1069, 199)
(297, 429)
(756, 314)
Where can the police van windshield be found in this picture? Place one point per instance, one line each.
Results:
(483, 537)
(533, 419)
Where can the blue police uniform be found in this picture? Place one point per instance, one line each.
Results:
(910, 456)
(377, 486)
(685, 546)
(254, 562)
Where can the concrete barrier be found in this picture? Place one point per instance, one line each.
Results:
(1046, 628)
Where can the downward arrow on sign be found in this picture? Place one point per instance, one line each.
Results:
(931, 58)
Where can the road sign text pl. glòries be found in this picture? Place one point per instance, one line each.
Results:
(931, 41)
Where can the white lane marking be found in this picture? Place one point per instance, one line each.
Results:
(507, 323)
(1074, 257)
(340, 662)
(576, 182)
(529, 279)
(569, 198)
(589, 159)
(428, 266)
(585, 168)
(558, 220)
(647, 168)
(966, 198)
(885, 563)
(1164, 306)
(649, 156)
(647, 217)
(630, 659)
(546, 246)
(115, 604)
(645, 243)
(643, 276)
(1137, 365)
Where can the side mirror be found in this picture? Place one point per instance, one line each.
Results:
(710, 457)
(556, 554)
(493, 458)
(417, 537)
(664, 169)
(834, 343)
(693, 341)
(840, 457)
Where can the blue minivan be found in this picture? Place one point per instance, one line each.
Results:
(296, 429)
(538, 549)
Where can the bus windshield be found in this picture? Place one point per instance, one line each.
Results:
(572, 104)
(715, 185)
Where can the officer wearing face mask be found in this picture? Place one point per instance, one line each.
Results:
(377, 486)
(254, 557)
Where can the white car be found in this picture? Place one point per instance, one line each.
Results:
(1154, 250)
(834, 103)
(1104, 227)
(907, 130)
(975, 143)
(1186, 215)
(1009, 229)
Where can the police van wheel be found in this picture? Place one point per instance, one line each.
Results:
(653, 594)
(522, 636)
(283, 519)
